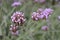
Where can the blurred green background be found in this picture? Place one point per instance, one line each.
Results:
(32, 29)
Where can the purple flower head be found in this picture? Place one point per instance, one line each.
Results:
(35, 16)
(42, 14)
(15, 33)
(18, 17)
(40, 10)
(45, 28)
(14, 29)
(16, 4)
(40, 1)
(59, 17)
(47, 12)
(36, 0)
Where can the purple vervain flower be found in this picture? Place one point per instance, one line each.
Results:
(14, 30)
(47, 12)
(14, 4)
(42, 13)
(18, 17)
(59, 17)
(45, 28)
(36, 0)
(40, 10)
(16, 33)
(35, 16)
(40, 1)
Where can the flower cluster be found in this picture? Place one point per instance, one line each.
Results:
(59, 17)
(45, 28)
(14, 4)
(35, 16)
(18, 17)
(42, 13)
(40, 1)
(14, 30)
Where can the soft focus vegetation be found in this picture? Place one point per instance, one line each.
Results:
(31, 30)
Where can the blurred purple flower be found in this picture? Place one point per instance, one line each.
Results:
(36, 0)
(35, 16)
(40, 1)
(15, 33)
(16, 4)
(40, 10)
(59, 17)
(47, 12)
(18, 17)
(42, 13)
(14, 29)
(40, 16)
(45, 28)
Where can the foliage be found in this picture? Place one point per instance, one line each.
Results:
(31, 30)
